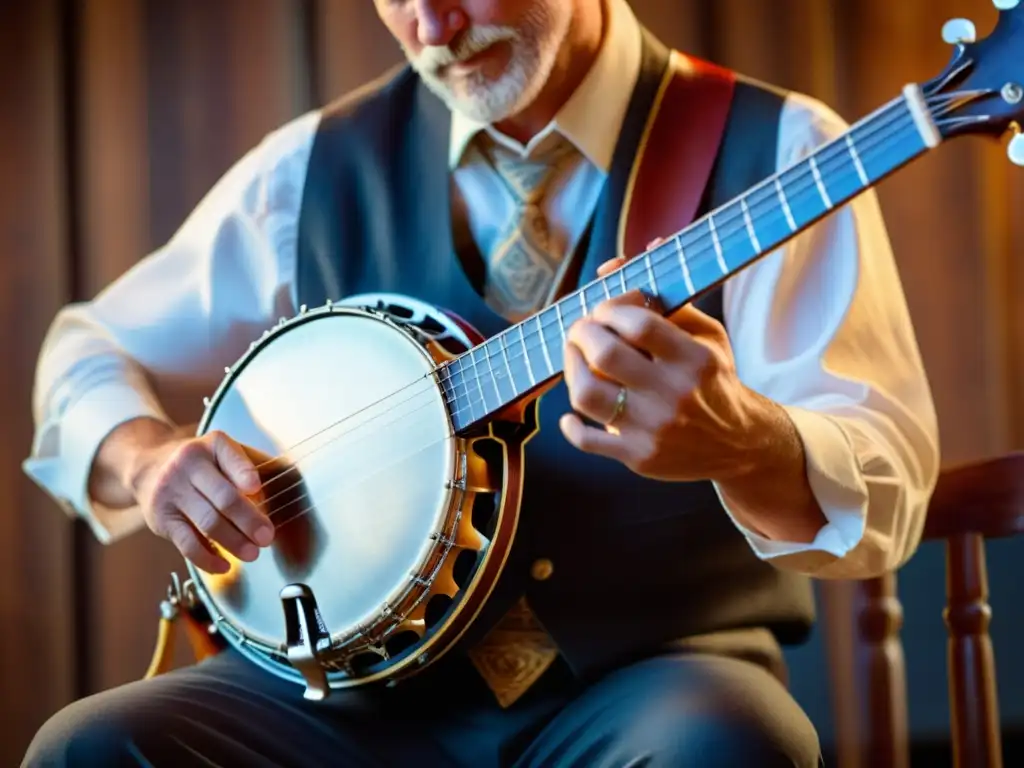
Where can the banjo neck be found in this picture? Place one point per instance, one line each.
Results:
(528, 354)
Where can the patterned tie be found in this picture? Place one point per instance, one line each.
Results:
(522, 270)
(523, 266)
(514, 654)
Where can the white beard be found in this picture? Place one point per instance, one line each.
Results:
(535, 46)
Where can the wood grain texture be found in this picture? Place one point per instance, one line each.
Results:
(36, 631)
(173, 95)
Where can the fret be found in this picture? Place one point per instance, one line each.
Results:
(526, 356)
(502, 373)
(805, 198)
(683, 265)
(596, 293)
(479, 378)
(446, 376)
(461, 402)
(718, 245)
(561, 325)
(861, 173)
(750, 225)
(490, 369)
(583, 303)
(785, 204)
(819, 183)
(544, 344)
(534, 351)
(651, 282)
(553, 330)
(841, 176)
(504, 357)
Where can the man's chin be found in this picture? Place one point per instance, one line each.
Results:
(484, 105)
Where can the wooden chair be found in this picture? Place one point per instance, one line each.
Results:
(972, 502)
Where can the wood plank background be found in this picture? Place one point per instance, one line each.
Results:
(117, 115)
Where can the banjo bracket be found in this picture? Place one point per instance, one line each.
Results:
(304, 630)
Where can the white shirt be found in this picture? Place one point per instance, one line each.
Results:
(820, 326)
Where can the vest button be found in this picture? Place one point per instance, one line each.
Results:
(542, 569)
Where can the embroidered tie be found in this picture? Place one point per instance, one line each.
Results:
(524, 265)
(522, 273)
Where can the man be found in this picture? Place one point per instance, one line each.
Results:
(781, 429)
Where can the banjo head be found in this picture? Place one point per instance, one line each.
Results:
(346, 419)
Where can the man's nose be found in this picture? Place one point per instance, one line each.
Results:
(439, 21)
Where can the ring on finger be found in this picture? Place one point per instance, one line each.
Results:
(620, 406)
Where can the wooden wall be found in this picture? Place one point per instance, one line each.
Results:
(117, 115)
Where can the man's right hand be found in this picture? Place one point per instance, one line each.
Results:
(190, 490)
(198, 488)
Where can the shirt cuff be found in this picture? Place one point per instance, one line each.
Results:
(833, 473)
(62, 458)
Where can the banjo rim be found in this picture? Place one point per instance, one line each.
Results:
(470, 597)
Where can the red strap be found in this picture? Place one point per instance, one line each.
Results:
(678, 151)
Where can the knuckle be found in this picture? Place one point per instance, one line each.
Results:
(179, 533)
(185, 457)
(605, 357)
(645, 327)
(644, 454)
(156, 518)
(224, 496)
(205, 518)
(584, 396)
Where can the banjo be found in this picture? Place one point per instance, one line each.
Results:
(394, 479)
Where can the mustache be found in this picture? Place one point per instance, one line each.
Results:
(434, 58)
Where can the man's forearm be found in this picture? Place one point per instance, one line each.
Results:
(773, 497)
(110, 478)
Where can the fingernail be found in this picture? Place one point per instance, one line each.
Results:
(264, 535)
(248, 552)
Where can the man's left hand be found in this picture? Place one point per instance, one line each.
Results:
(666, 391)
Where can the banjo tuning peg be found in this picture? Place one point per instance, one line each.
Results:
(957, 31)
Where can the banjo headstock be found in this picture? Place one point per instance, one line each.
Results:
(981, 91)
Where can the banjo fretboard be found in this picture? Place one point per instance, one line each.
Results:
(723, 242)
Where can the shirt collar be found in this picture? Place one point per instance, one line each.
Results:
(592, 117)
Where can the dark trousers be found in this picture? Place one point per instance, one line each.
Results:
(684, 708)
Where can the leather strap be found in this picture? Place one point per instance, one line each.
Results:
(677, 152)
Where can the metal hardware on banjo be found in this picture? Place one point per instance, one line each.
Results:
(392, 435)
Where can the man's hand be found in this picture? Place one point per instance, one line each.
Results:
(199, 488)
(670, 406)
(682, 412)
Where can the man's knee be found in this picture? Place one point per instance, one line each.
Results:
(715, 740)
(683, 711)
(90, 732)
